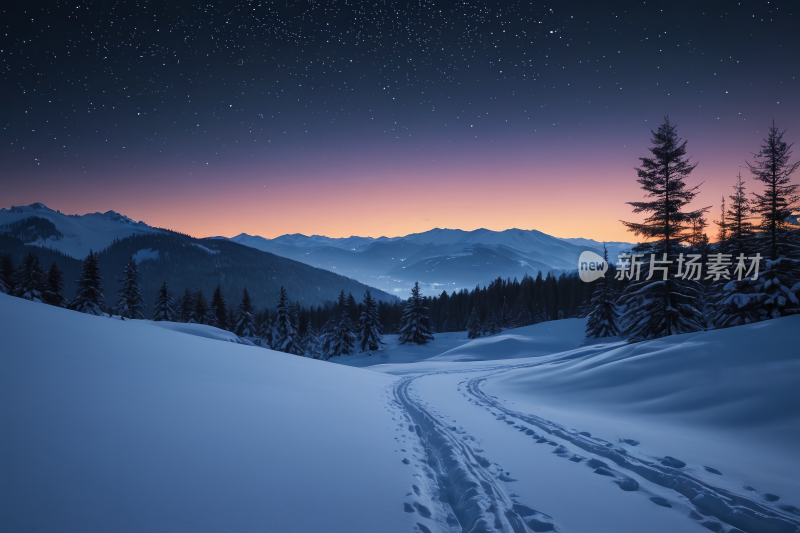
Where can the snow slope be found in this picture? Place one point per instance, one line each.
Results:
(698, 431)
(537, 340)
(80, 233)
(112, 425)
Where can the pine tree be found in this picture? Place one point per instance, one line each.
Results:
(130, 303)
(219, 311)
(604, 317)
(6, 274)
(722, 223)
(245, 323)
(698, 239)
(186, 307)
(200, 310)
(232, 318)
(327, 337)
(339, 335)
(491, 326)
(312, 343)
(163, 308)
(775, 291)
(89, 299)
(523, 318)
(369, 325)
(29, 279)
(772, 168)
(287, 338)
(54, 287)
(474, 324)
(662, 304)
(415, 322)
(740, 228)
(264, 334)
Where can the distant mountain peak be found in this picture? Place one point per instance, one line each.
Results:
(36, 206)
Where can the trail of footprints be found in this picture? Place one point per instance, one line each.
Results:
(457, 486)
(714, 508)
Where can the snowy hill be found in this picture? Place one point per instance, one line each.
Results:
(132, 426)
(439, 259)
(73, 235)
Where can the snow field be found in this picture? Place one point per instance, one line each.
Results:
(121, 426)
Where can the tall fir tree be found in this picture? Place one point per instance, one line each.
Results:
(245, 322)
(163, 310)
(186, 306)
(474, 324)
(6, 274)
(698, 239)
(604, 317)
(219, 310)
(775, 290)
(312, 344)
(264, 333)
(415, 322)
(740, 229)
(663, 304)
(287, 338)
(369, 325)
(232, 318)
(771, 167)
(54, 287)
(722, 223)
(340, 337)
(130, 302)
(90, 298)
(200, 309)
(29, 280)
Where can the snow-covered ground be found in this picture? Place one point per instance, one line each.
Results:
(131, 426)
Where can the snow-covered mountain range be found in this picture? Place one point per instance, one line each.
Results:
(164, 256)
(73, 235)
(440, 259)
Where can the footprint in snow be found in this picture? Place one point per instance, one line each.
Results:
(672, 462)
(658, 500)
(422, 510)
(423, 528)
(712, 470)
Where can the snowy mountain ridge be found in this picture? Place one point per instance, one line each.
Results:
(36, 224)
(440, 259)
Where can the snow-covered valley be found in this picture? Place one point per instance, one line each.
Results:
(113, 425)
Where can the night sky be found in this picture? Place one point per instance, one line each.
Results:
(383, 118)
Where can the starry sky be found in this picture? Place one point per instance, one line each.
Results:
(349, 117)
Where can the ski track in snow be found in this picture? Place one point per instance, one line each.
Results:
(465, 486)
(461, 483)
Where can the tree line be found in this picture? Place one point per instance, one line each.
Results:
(670, 298)
(341, 327)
